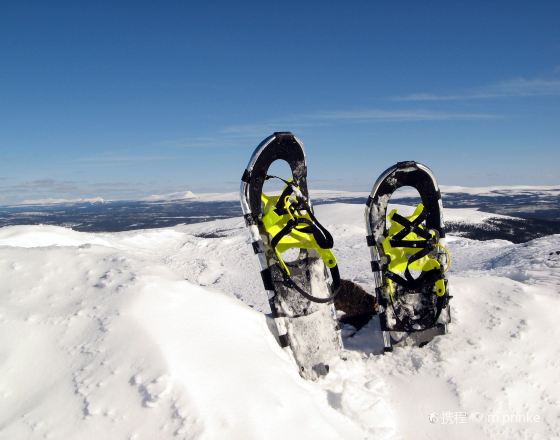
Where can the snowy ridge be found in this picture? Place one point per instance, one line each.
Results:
(501, 190)
(176, 196)
(402, 193)
(120, 349)
(487, 191)
(159, 334)
(53, 201)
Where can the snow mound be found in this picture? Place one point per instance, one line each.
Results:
(98, 344)
(45, 235)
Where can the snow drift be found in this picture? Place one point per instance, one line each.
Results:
(161, 334)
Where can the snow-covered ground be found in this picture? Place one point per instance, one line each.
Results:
(160, 333)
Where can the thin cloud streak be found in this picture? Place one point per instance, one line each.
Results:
(241, 135)
(173, 146)
(515, 88)
(348, 116)
(123, 158)
(400, 116)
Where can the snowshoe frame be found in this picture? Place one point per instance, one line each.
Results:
(421, 178)
(306, 328)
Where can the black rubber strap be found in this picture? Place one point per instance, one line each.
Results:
(441, 302)
(335, 287)
(284, 340)
(321, 241)
(411, 283)
(417, 256)
(324, 239)
(426, 247)
(280, 209)
(286, 230)
(411, 226)
(428, 277)
(246, 177)
(321, 235)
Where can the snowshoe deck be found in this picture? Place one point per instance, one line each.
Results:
(299, 294)
(409, 258)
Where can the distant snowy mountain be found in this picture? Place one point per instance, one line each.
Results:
(176, 196)
(160, 333)
(48, 202)
(321, 194)
(190, 196)
(517, 214)
(501, 190)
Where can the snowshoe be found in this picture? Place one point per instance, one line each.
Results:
(299, 294)
(409, 258)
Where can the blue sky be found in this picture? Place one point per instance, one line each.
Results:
(125, 99)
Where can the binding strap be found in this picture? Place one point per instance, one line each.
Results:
(289, 282)
(408, 227)
(290, 203)
(320, 234)
(429, 277)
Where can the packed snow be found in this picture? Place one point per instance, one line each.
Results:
(162, 334)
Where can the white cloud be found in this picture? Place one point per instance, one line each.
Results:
(110, 157)
(171, 148)
(518, 87)
(343, 116)
(399, 116)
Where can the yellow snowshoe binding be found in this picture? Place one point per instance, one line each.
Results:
(410, 248)
(290, 223)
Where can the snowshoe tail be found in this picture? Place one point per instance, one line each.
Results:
(409, 258)
(298, 291)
